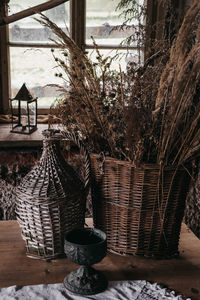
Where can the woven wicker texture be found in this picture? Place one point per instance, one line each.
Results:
(50, 201)
(139, 209)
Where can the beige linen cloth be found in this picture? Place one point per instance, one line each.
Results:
(117, 290)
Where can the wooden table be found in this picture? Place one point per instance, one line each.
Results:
(181, 274)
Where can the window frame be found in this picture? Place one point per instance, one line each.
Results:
(4, 64)
(77, 9)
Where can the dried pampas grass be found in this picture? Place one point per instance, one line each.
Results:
(178, 93)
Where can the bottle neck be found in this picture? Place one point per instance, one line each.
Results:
(51, 145)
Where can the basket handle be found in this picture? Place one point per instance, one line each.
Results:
(74, 138)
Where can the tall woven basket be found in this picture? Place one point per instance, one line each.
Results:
(50, 201)
(140, 209)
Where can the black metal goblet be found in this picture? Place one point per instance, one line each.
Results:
(85, 246)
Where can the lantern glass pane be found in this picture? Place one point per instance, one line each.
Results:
(15, 104)
(24, 113)
(15, 117)
(32, 113)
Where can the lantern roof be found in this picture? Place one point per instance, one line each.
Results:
(24, 94)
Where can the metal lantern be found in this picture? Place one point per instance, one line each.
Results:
(23, 112)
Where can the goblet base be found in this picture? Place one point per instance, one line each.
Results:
(85, 281)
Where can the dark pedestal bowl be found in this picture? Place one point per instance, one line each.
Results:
(85, 247)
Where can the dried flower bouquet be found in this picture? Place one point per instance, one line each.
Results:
(149, 114)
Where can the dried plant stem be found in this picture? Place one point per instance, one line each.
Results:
(121, 86)
(178, 87)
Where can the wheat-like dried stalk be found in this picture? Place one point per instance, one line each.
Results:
(179, 88)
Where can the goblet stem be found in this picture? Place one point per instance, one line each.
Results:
(85, 281)
(85, 272)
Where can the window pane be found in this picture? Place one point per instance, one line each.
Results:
(36, 68)
(29, 30)
(17, 6)
(101, 18)
(122, 57)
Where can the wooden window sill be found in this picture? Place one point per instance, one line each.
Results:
(9, 139)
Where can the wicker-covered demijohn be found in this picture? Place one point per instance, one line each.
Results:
(140, 209)
(50, 201)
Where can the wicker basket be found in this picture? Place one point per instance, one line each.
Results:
(129, 205)
(50, 201)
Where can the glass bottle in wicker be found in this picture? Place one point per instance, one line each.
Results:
(50, 201)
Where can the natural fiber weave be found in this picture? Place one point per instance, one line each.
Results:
(50, 201)
(140, 209)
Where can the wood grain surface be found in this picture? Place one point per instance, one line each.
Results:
(181, 274)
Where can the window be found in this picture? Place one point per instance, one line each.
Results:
(27, 45)
(29, 50)
(102, 20)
